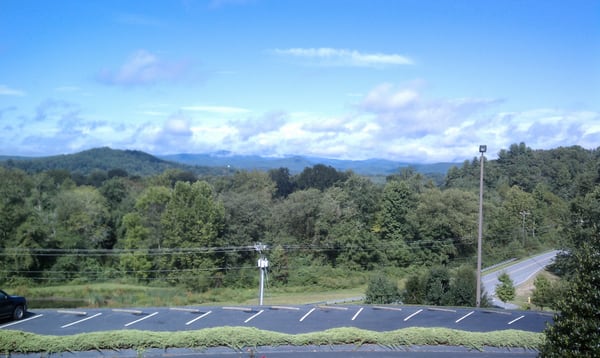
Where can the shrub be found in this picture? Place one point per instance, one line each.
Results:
(381, 290)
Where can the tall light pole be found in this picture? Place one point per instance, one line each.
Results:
(263, 263)
(482, 149)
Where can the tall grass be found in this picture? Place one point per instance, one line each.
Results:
(127, 295)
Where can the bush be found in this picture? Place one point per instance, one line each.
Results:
(381, 290)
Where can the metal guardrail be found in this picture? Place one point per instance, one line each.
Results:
(498, 264)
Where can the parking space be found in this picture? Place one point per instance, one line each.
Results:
(286, 319)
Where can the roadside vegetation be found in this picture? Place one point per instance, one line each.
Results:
(244, 338)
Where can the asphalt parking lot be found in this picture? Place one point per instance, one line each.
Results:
(285, 319)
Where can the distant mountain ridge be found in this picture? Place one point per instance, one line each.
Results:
(104, 159)
(296, 164)
(218, 163)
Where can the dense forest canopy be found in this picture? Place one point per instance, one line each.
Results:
(198, 229)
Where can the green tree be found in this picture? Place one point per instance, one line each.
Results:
(543, 292)
(463, 287)
(15, 187)
(521, 165)
(320, 177)
(505, 290)
(137, 262)
(395, 225)
(437, 286)
(414, 290)
(381, 290)
(192, 222)
(294, 218)
(82, 215)
(247, 199)
(151, 205)
(365, 195)
(446, 225)
(575, 330)
(283, 182)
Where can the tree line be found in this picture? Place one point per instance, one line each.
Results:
(184, 228)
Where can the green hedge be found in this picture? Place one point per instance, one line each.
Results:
(12, 341)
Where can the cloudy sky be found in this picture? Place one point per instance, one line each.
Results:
(408, 80)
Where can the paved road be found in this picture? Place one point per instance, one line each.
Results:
(519, 273)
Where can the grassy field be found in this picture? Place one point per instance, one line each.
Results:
(115, 295)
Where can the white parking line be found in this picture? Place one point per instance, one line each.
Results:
(21, 321)
(307, 314)
(197, 318)
(387, 308)
(124, 310)
(515, 320)
(285, 308)
(465, 316)
(357, 313)
(324, 307)
(81, 320)
(254, 315)
(441, 309)
(185, 309)
(77, 313)
(245, 309)
(412, 315)
(141, 319)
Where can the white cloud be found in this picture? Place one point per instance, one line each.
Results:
(391, 122)
(342, 57)
(216, 109)
(8, 91)
(383, 98)
(403, 112)
(143, 68)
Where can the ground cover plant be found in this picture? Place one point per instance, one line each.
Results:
(240, 338)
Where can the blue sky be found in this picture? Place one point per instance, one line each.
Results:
(407, 80)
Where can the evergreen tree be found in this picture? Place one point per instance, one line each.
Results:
(575, 332)
(505, 290)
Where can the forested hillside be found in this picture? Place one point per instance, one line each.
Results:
(177, 227)
(99, 160)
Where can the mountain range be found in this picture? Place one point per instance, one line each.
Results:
(296, 164)
(141, 163)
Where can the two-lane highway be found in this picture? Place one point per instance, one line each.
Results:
(519, 273)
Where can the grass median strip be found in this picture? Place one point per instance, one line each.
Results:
(12, 341)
